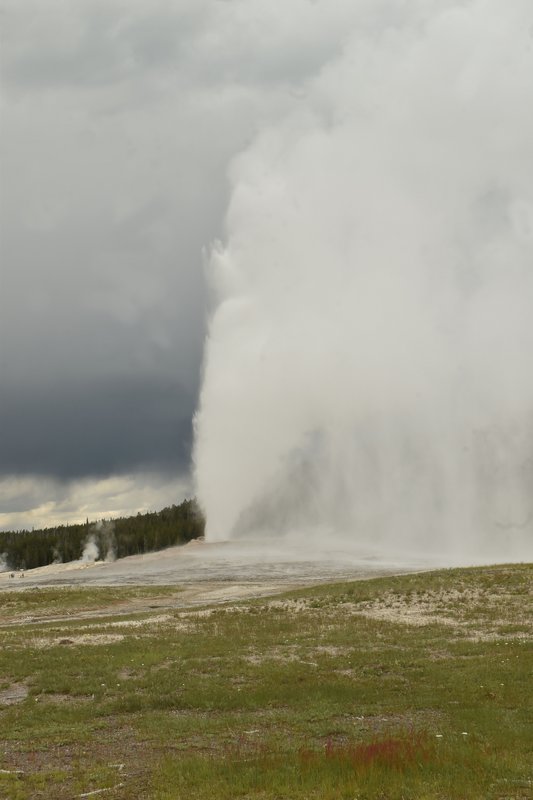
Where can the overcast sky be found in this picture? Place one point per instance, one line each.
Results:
(119, 120)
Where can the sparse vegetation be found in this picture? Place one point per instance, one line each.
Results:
(39, 604)
(355, 690)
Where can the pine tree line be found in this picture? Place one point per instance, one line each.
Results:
(115, 538)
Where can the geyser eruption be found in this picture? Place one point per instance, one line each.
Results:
(369, 364)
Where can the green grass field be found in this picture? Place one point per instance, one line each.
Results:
(417, 686)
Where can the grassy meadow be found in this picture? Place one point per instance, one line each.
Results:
(409, 687)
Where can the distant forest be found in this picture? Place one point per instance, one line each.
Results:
(106, 539)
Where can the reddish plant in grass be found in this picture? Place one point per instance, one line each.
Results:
(393, 752)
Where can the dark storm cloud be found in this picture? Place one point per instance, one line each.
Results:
(104, 221)
(101, 344)
(77, 429)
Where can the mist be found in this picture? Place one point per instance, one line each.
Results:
(368, 372)
(100, 543)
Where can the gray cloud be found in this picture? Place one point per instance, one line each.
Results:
(93, 44)
(26, 502)
(206, 42)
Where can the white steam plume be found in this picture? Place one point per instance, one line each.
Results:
(369, 366)
(90, 549)
(100, 542)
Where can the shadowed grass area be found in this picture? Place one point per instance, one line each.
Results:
(417, 686)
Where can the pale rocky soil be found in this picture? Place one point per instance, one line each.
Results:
(479, 614)
(489, 614)
(482, 614)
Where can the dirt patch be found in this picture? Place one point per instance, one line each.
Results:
(116, 751)
(428, 720)
(87, 639)
(292, 606)
(330, 650)
(145, 622)
(56, 698)
(16, 693)
(416, 615)
(160, 619)
(127, 674)
(293, 653)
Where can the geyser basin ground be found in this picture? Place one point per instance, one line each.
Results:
(265, 564)
(396, 687)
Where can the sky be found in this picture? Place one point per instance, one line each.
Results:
(118, 123)
(197, 200)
